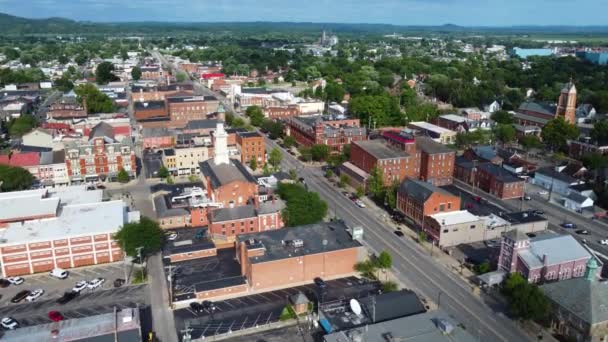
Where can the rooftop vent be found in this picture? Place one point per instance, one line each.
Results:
(445, 326)
(297, 243)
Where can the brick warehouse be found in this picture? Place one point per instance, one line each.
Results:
(417, 199)
(309, 131)
(489, 178)
(251, 146)
(186, 108)
(395, 165)
(284, 257)
(77, 229)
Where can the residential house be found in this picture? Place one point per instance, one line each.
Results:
(553, 180)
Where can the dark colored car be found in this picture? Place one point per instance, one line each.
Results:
(4, 283)
(539, 212)
(196, 307)
(582, 232)
(320, 282)
(208, 305)
(568, 225)
(55, 316)
(399, 233)
(20, 296)
(67, 296)
(119, 282)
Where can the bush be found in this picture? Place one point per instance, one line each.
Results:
(15, 178)
(123, 176)
(389, 286)
(303, 207)
(287, 313)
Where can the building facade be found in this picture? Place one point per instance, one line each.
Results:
(308, 131)
(417, 199)
(251, 146)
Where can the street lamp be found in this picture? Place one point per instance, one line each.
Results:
(439, 298)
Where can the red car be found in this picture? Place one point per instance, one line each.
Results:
(55, 316)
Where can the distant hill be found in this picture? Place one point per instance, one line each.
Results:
(10, 24)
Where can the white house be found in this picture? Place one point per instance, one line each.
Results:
(577, 202)
(493, 107)
(551, 179)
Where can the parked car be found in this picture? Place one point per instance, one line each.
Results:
(21, 295)
(95, 283)
(59, 273)
(360, 203)
(34, 295)
(568, 225)
(4, 283)
(15, 280)
(119, 282)
(172, 236)
(582, 232)
(9, 323)
(81, 285)
(67, 296)
(527, 198)
(208, 305)
(196, 307)
(399, 233)
(543, 192)
(604, 242)
(538, 212)
(320, 283)
(55, 316)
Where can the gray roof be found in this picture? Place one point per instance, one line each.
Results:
(392, 305)
(149, 132)
(225, 173)
(299, 298)
(499, 173)
(102, 130)
(248, 134)
(380, 150)
(557, 248)
(516, 235)
(550, 172)
(487, 152)
(576, 197)
(270, 207)
(334, 235)
(430, 146)
(531, 118)
(163, 209)
(538, 107)
(418, 328)
(420, 190)
(523, 217)
(231, 214)
(586, 299)
(201, 124)
(52, 157)
(149, 105)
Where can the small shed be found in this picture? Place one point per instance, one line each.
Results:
(299, 302)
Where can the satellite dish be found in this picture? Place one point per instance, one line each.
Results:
(355, 306)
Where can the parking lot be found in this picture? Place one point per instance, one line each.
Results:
(54, 287)
(87, 304)
(263, 308)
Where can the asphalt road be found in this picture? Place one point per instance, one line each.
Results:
(413, 266)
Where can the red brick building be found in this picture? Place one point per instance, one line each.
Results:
(297, 255)
(436, 161)
(77, 230)
(229, 184)
(281, 112)
(157, 138)
(67, 108)
(251, 146)
(150, 110)
(101, 156)
(227, 223)
(395, 165)
(417, 199)
(185, 108)
(151, 72)
(490, 178)
(308, 131)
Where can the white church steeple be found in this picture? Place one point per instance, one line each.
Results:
(221, 145)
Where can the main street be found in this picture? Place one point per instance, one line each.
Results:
(412, 265)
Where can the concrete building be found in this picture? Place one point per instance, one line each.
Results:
(394, 165)
(437, 133)
(546, 257)
(182, 205)
(251, 146)
(53, 169)
(120, 326)
(417, 199)
(334, 133)
(39, 137)
(65, 228)
(100, 156)
(577, 305)
(454, 228)
(285, 257)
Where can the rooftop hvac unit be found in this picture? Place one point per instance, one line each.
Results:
(297, 243)
(445, 326)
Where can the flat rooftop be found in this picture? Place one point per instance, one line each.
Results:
(103, 327)
(455, 217)
(523, 217)
(74, 220)
(317, 238)
(430, 127)
(379, 150)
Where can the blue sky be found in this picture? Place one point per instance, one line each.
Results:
(400, 12)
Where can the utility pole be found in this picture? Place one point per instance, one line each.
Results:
(140, 260)
(125, 264)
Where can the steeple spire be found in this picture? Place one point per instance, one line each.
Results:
(590, 272)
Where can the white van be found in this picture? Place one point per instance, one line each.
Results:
(59, 273)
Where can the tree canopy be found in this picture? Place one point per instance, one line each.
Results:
(146, 233)
(15, 178)
(95, 100)
(21, 125)
(319, 152)
(275, 157)
(105, 73)
(136, 73)
(557, 132)
(526, 301)
(256, 115)
(303, 207)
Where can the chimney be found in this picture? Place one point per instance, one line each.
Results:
(545, 260)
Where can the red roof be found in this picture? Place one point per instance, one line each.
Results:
(398, 137)
(212, 75)
(55, 125)
(21, 159)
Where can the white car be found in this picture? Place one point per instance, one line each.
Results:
(172, 236)
(34, 295)
(81, 285)
(95, 283)
(9, 323)
(15, 280)
(360, 203)
(543, 192)
(603, 242)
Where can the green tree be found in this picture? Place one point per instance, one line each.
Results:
(319, 152)
(274, 128)
(599, 132)
(595, 161)
(303, 207)
(123, 176)
(21, 125)
(181, 76)
(64, 84)
(136, 73)
(367, 269)
(513, 280)
(15, 178)
(505, 133)
(482, 268)
(275, 157)
(253, 164)
(94, 100)
(502, 117)
(105, 73)
(376, 183)
(390, 196)
(289, 141)
(528, 302)
(256, 115)
(266, 170)
(293, 175)
(305, 152)
(389, 286)
(81, 59)
(146, 233)
(360, 192)
(163, 172)
(343, 180)
(557, 132)
(238, 123)
(329, 173)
